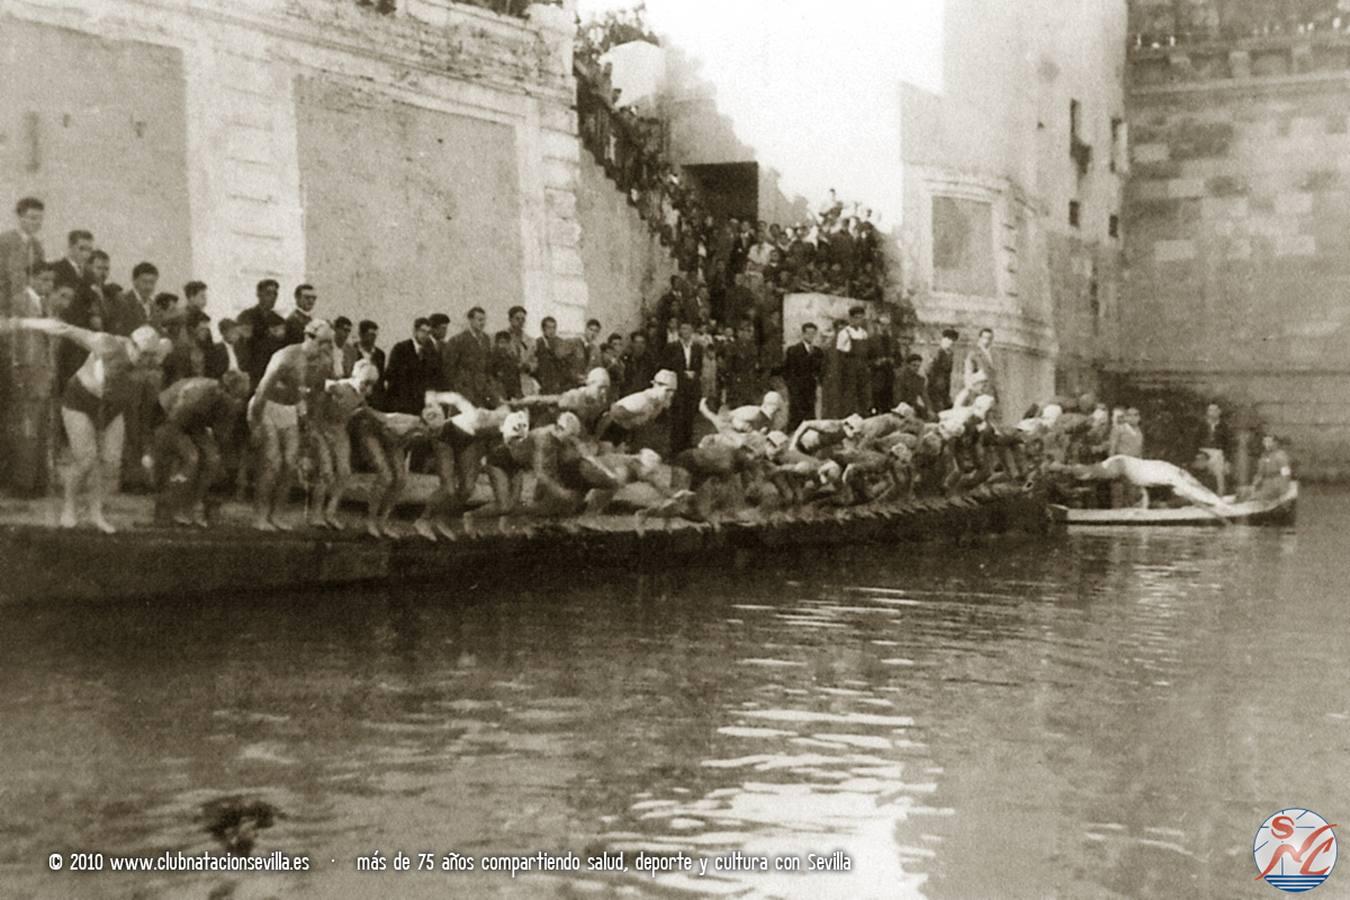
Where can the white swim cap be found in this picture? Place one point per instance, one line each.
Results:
(365, 372)
(432, 414)
(904, 410)
(1051, 413)
(666, 379)
(983, 404)
(319, 329)
(597, 378)
(648, 459)
(515, 426)
(772, 402)
(146, 339)
(568, 425)
(852, 424)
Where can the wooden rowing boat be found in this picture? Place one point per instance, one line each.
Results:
(1278, 512)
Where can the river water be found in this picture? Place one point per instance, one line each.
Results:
(1111, 714)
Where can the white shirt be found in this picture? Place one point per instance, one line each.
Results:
(759, 255)
(847, 335)
(688, 355)
(35, 305)
(233, 365)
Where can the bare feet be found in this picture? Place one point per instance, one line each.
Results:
(423, 529)
(316, 522)
(262, 523)
(446, 531)
(69, 519)
(281, 524)
(373, 529)
(390, 531)
(102, 524)
(200, 520)
(332, 520)
(183, 519)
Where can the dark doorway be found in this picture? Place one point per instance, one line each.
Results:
(730, 190)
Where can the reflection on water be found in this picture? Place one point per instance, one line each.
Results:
(1110, 715)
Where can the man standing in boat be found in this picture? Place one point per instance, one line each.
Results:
(1214, 440)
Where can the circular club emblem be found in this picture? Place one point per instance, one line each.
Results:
(1295, 850)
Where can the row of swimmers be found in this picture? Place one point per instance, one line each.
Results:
(581, 456)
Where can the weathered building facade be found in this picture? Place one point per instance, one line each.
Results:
(1013, 174)
(1237, 227)
(406, 163)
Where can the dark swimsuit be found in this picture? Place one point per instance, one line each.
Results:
(118, 391)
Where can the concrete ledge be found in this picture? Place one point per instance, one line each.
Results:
(45, 564)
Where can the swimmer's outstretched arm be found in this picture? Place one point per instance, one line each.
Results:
(93, 341)
(723, 427)
(535, 400)
(448, 398)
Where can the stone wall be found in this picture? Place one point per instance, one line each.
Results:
(422, 160)
(1027, 124)
(106, 153)
(1237, 231)
(626, 266)
(407, 209)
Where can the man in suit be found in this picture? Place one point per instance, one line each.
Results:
(939, 373)
(342, 333)
(196, 295)
(70, 269)
(639, 365)
(591, 348)
(910, 386)
(225, 356)
(465, 359)
(440, 336)
(1213, 440)
(685, 358)
(981, 359)
(266, 330)
(305, 299)
(136, 306)
(550, 359)
(367, 334)
(19, 250)
(414, 369)
(802, 366)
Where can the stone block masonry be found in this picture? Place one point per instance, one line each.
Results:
(408, 163)
(1242, 293)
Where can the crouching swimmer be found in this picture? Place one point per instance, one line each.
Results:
(199, 413)
(331, 411)
(384, 440)
(588, 403)
(628, 415)
(458, 447)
